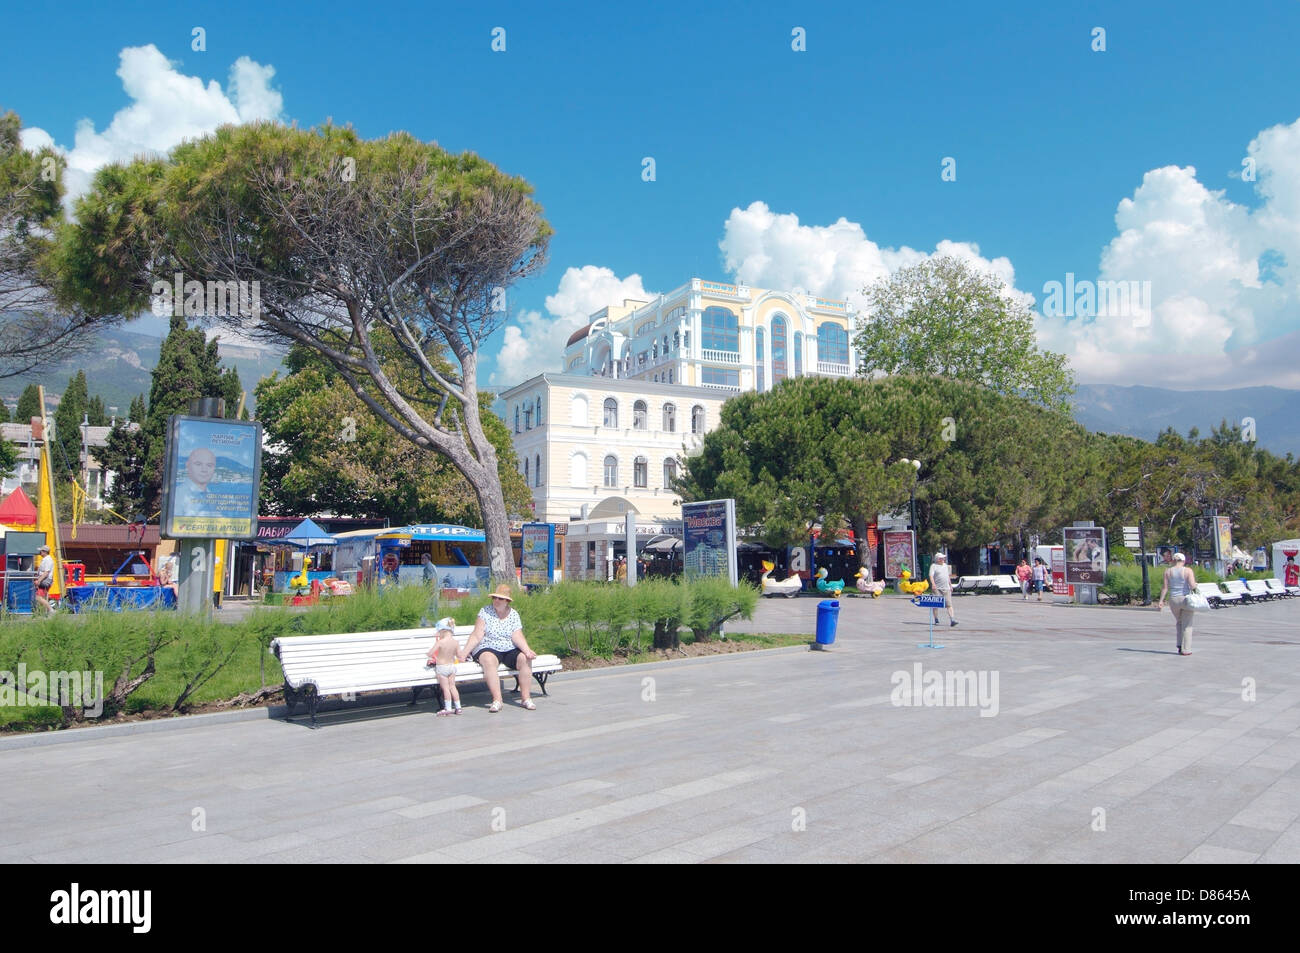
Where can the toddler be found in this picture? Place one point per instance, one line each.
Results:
(442, 659)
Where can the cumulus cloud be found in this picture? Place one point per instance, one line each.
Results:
(535, 342)
(166, 108)
(773, 250)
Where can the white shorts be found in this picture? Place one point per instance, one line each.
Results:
(448, 671)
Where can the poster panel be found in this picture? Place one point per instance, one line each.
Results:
(709, 539)
(211, 476)
(900, 553)
(1223, 537)
(537, 554)
(1085, 555)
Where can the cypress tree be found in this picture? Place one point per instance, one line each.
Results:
(29, 405)
(66, 452)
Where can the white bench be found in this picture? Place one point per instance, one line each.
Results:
(1214, 595)
(966, 585)
(1238, 588)
(1276, 587)
(1258, 590)
(319, 665)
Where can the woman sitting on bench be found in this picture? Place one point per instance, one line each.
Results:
(498, 639)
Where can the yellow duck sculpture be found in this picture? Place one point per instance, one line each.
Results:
(789, 587)
(915, 588)
(831, 587)
(865, 585)
(301, 581)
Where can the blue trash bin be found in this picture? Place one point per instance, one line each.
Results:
(828, 614)
(18, 595)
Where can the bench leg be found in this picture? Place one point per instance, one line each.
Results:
(313, 701)
(415, 696)
(290, 699)
(541, 680)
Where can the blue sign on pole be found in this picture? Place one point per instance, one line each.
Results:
(928, 602)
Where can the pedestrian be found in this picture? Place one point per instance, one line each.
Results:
(941, 585)
(44, 579)
(1180, 582)
(1039, 576)
(1024, 574)
(428, 574)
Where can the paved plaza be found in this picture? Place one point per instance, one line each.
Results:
(1082, 738)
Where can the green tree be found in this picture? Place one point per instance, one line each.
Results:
(343, 237)
(942, 317)
(29, 404)
(66, 452)
(36, 330)
(4, 413)
(97, 412)
(138, 410)
(8, 458)
(326, 451)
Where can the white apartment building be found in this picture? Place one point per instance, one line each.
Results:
(643, 383)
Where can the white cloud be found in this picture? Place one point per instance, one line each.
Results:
(773, 250)
(167, 107)
(535, 342)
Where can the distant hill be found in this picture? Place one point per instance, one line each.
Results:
(120, 365)
(1145, 411)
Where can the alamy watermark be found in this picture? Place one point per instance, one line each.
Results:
(196, 299)
(36, 688)
(1098, 299)
(935, 689)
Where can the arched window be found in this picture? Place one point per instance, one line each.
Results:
(670, 418)
(516, 418)
(779, 366)
(526, 481)
(670, 473)
(578, 470)
(798, 353)
(578, 410)
(719, 330)
(611, 412)
(611, 471)
(697, 419)
(528, 417)
(539, 411)
(537, 470)
(758, 357)
(639, 415)
(640, 472)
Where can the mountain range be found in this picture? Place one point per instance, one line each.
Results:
(119, 367)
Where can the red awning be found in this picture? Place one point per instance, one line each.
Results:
(17, 510)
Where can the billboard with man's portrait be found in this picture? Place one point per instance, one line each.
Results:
(211, 477)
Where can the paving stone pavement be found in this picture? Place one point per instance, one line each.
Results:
(1100, 744)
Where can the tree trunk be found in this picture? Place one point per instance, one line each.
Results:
(496, 528)
(666, 634)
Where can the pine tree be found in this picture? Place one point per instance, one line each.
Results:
(4, 413)
(138, 411)
(29, 405)
(97, 412)
(66, 452)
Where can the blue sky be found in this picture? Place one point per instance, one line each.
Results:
(760, 150)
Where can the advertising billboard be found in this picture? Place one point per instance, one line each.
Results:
(900, 553)
(537, 554)
(709, 539)
(211, 476)
(1085, 555)
(1223, 537)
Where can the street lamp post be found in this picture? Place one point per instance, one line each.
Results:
(911, 500)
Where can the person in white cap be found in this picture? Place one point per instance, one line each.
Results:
(442, 659)
(44, 579)
(941, 585)
(1180, 582)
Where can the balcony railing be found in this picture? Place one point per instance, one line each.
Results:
(833, 370)
(721, 357)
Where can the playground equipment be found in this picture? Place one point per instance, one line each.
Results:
(914, 588)
(865, 585)
(788, 587)
(831, 587)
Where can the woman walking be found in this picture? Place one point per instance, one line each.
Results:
(1180, 582)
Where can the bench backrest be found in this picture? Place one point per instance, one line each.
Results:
(1236, 585)
(1274, 585)
(1257, 587)
(1210, 590)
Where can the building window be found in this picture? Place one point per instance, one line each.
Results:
(670, 473)
(516, 418)
(758, 357)
(697, 419)
(720, 330)
(611, 471)
(591, 555)
(779, 366)
(639, 415)
(611, 412)
(526, 480)
(640, 472)
(539, 411)
(832, 344)
(670, 418)
(537, 470)
(528, 418)
(677, 340)
(578, 470)
(798, 353)
(721, 376)
(578, 410)
(670, 377)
